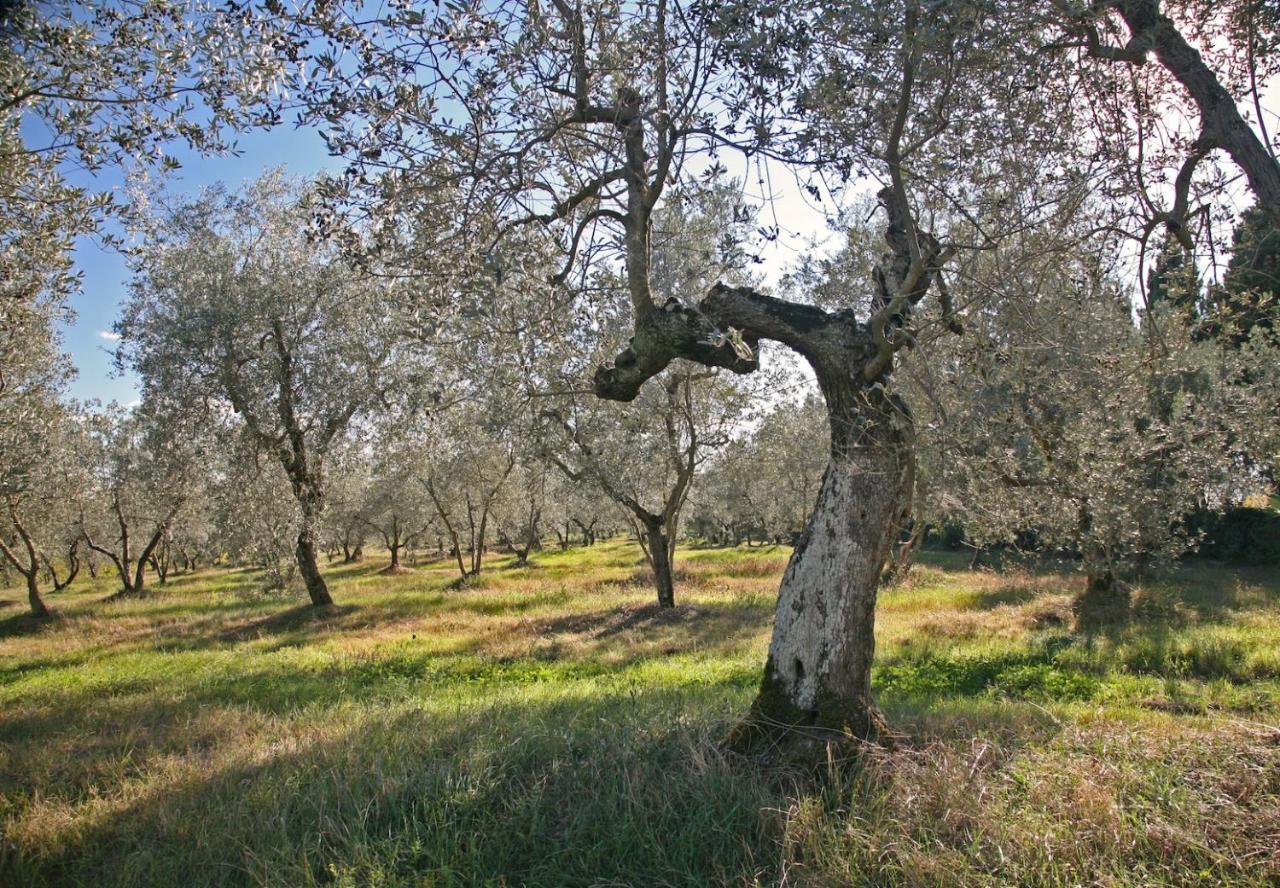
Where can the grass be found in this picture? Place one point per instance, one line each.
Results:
(548, 726)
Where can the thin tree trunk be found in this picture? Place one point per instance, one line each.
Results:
(395, 541)
(73, 568)
(902, 555)
(651, 534)
(30, 573)
(478, 539)
(139, 588)
(310, 569)
(449, 529)
(38, 608)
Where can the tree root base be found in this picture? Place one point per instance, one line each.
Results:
(1102, 603)
(775, 730)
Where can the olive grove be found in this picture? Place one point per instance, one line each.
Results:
(528, 299)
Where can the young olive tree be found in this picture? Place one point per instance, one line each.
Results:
(35, 426)
(524, 507)
(146, 467)
(343, 531)
(468, 458)
(1087, 437)
(255, 516)
(394, 506)
(232, 304)
(41, 478)
(645, 455)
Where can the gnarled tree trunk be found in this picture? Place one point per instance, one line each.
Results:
(30, 570)
(310, 567)
(658, 550)
(38, 608)
(818, 675)
(1222, 125)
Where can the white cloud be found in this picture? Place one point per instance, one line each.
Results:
(109, 335)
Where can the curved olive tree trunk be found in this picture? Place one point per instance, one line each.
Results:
(309, 567)
(1221, 123)
(30, 570)
(818, 674)
(39, 609)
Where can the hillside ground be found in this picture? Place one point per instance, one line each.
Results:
(549, 726)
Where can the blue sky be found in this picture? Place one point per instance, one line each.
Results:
(106, 276)
(88, 339)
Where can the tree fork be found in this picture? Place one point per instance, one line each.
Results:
(817, 680)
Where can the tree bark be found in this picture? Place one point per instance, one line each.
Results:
(818, 674)
(38, 608)
(310, 568)
(659, 552)
(30, 572)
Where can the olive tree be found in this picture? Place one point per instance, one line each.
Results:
(42, 477)
(645, 455)
(233, 305)
(146, 467)
(394, 506)
(585, 119)
(468, 458)
(254, 515)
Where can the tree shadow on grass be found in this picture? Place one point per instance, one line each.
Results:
(1214, 591)
(620, 788)
(24, 624)
(1012, 593)
(637, 631)
(1201, 595)
(300, 617)
(585, 787)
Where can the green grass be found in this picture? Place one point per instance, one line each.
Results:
(548, 726)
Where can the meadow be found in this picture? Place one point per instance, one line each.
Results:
(549, 726)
